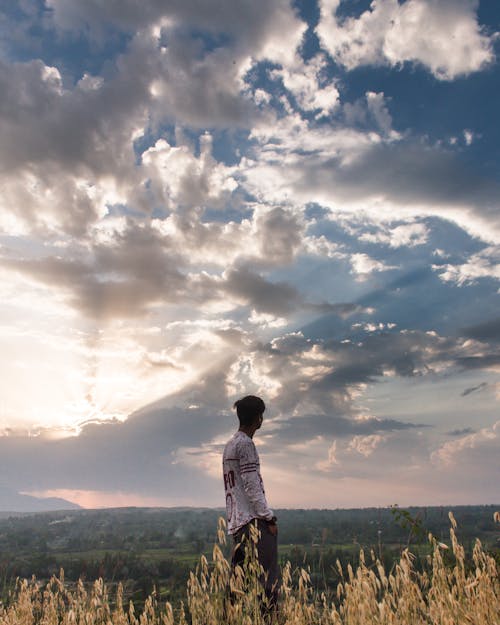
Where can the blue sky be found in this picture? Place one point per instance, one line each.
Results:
(295, 200)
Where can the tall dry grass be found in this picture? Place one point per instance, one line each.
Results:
(454, 592)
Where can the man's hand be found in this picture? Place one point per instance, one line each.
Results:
(273, 528)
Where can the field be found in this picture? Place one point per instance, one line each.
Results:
(448, 591)
(370, 566)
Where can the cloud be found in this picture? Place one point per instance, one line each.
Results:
(130, 266)
(331, 461)
(319, 376)
(83, 130)
(363, 265)
(366, 445)
(302, 429)
(444, 37)
(70, 148)
(484, 264)
(369, 112)
(274, 298)
(474, 389)
(461, 432)
(488, 331)
(249, 25)
(186, 205)
(480, 361)
(177, 178)
(403, 235)
(484, 441)
(354, 171)
(137, 455)
(200, 92)
(87, 130)
(304, 82)
(161, 449)
(404, 353)
(121, 279)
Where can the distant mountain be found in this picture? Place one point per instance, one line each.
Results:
(12, 501)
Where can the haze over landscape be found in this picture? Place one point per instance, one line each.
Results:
(298, 200)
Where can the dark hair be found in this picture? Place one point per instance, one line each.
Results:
(249, 408)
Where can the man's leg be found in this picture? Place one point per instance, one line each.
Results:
(240, 541)
(267, 549)
(267, 553)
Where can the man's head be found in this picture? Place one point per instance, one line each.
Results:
(250, 410)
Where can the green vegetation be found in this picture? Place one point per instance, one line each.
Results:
(156, 548)
(449, 590)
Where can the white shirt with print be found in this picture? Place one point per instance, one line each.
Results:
(245, 496)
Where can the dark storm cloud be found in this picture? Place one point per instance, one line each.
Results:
(281, 233)
(486, 361)
(268, 297)
(120, 280)
(41, 122)
(407, 174)
(306, 427)
(139, 266)
(405, 354)
(325, 375)
(488, 331)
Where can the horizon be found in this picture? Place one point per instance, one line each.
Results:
(222, 508)
(296, 199)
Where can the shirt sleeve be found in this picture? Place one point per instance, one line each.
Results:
(252, 481)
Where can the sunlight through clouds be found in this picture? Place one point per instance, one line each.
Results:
(297, 200)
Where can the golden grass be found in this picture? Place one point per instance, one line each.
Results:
(446, 593)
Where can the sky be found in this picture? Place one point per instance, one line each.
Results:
(204, 200)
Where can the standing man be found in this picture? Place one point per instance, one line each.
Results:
(245, 497)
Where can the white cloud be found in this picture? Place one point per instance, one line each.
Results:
(303, 80)
(272, 236)
(469, 137)
(452, 452)
(363, 265)
(178, 178)
(444, 36)
(266, 320)
(378, 108)
(365, 445)
(403, 235)
(484, 264)
(331, 460)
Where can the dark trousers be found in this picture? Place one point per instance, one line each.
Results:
(267, 553)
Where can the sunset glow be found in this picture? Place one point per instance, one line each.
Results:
(298, 200)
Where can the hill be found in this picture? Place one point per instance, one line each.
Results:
(12, 502)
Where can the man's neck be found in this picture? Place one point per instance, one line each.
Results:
(248, 430)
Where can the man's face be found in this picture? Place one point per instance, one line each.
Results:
(259, 420)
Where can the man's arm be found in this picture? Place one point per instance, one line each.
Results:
(252, 482)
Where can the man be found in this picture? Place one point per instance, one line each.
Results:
(245, 497)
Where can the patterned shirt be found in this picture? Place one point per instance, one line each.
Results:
(245, 496)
